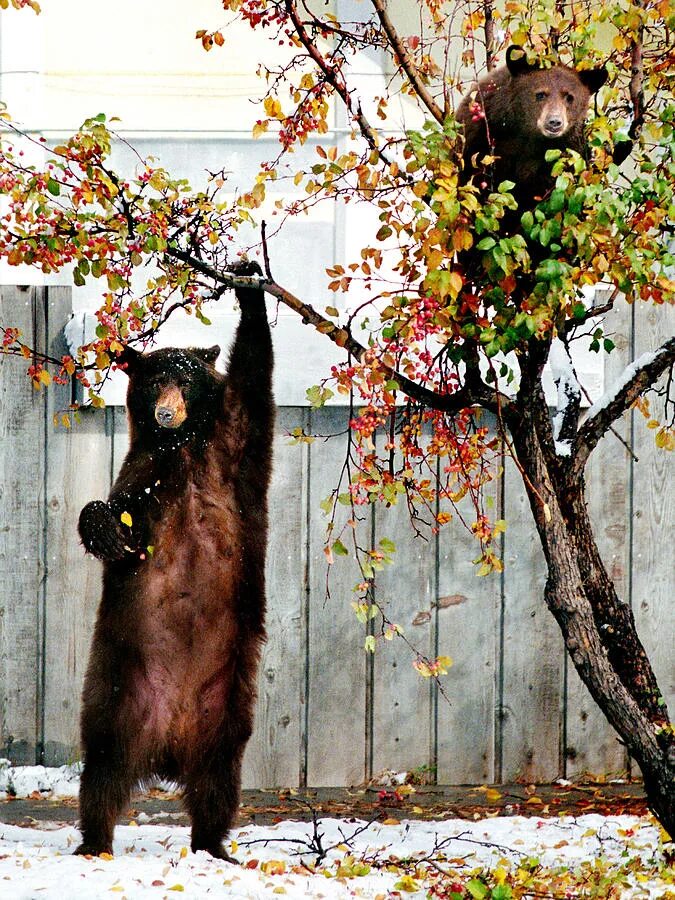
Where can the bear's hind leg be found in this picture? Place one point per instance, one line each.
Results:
(105, 789)
(212, 799)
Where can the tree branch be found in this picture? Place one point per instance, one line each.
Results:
(638, 377)
(474, 392)
(406, 61)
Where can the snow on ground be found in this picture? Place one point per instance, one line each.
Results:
(153, 861)
(588, 856)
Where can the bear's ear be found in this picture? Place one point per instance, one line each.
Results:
(516, 61)
(593, 78)
(208, 354)
(130, 359)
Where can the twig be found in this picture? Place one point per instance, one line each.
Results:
(489, 28)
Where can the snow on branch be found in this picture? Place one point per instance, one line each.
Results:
(638, 377)
(566, 416)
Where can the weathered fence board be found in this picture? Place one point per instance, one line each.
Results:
(77, 471)
(275, 749)
(401, 704)
(466, 619)
(337, 665)
(652, 569)
(22, 429)
(328, 712)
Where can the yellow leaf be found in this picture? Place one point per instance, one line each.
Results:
(126, 519)
(45, 377)
(106, 856)
(260, 128)
(273, 867)
(391, 822)
(492, 795)
(176, 887)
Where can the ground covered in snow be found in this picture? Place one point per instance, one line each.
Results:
(491, 858)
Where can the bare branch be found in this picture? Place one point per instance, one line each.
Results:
(474, 392)
(406, 61)
(636, 379)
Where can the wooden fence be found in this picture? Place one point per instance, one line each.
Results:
(328, 713)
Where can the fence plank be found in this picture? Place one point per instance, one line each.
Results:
(653, 574)
(337, 661)
(22, 417)
(273, 755)
(532, 664)
(77, 471)
(468, 632)
(592, 745)
(401, 727)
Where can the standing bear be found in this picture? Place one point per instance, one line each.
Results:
(171, 682)
(518, 112)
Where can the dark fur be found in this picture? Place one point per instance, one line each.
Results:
(171, 684)
(517, 99)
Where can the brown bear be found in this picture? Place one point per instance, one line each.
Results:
(171, 682)
(518, 112)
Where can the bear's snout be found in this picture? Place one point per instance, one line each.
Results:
(170, 409)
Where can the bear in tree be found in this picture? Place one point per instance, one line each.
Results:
(518, 112)
(170, 687)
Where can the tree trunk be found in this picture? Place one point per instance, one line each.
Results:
(580, 595)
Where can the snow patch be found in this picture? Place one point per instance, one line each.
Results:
(24, 781)
(569, 393)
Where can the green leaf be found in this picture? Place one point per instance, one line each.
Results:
(556, 201)
(501, 892)
(387, 545)
(317, 396)
(53, 187)
(339, 549)
(486, 244)
(477, 889)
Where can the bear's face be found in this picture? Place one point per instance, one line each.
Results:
(172, 393)
(549, 103)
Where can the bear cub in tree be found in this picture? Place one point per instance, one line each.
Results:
(171, 682)
(517, 113)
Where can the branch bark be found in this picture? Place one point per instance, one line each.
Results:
(636, 379)
(474, 392)
(406, 61)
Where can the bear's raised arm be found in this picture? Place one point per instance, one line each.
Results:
(248, 394)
